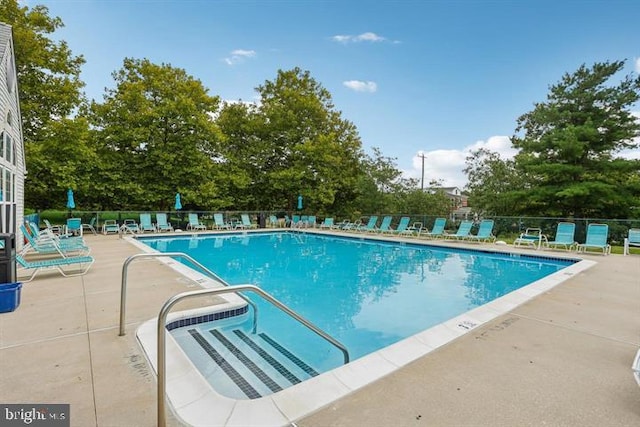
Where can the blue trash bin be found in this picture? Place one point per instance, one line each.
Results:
(9, 296)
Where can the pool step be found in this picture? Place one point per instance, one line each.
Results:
(257, 365)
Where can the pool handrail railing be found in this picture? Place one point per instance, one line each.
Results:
(125, 270)
(162, 320)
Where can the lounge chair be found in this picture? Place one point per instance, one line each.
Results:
(146, 224)
(485, 232)
(218, 222)
(532, 237)
(402, 225)
(162, 224)
(564, 236)
(311, 221)
(295, 220)
(385, 225)
(370, 226)
(273, 221)
(73, 227)
(47, 243)
(633, 239)
(91, 225)
(341, 225)
(130, 226)
(56, 229)
(352, 226)
(245, 222)
(327, 223)
(436, 231)
(110, 226)
(84, 262)
(194, 223)
(413, 230)
(464, 231)
(597, 235)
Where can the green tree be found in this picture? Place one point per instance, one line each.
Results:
(570, 144)
(156, 137)
(495, 185)
(293, 142)
(49, 89)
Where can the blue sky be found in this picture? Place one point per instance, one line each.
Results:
(433, 77)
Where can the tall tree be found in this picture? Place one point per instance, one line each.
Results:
(570, 144)
(495, 185)
(157, 138)
(293, 143)
(49, 89)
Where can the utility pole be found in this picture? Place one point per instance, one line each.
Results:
(421, 155)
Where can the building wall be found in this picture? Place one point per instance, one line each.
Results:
(12, 156)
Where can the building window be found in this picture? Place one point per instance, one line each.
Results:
(9, 119)
(10, 75)
(8, 148)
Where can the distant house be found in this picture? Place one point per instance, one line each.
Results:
(12, 161)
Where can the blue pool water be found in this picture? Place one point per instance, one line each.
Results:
(367, 294)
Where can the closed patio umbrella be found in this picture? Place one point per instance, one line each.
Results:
(71, 204)
(178, 204)
(299, 202)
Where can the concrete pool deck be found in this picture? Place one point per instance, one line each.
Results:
(563, 358)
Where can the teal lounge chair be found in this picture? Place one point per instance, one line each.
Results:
(532, 237)
(413, 230)
(564, 236)
(385, 225)
(485, 232)
(633, 239)
(130, 226)
(273, 221)
(52, 244)
(311, 221)
(436, 231)
(327, 223)
(597, 235)
(295, 219)
(218, 222)
(91, 225)
(146, 224)
(464, 231)
(402, 225)
(162, 224)
(84, 263)
(73, 227)
(370, 226)
(245, 222)
(110, 226)
(194, 223)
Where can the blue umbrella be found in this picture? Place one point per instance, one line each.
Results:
(299, 202)
(70, 203)
(178, 204)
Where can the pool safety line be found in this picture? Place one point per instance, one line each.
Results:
(246, 361)
(299, 363)
(267, 357)
(228, 369)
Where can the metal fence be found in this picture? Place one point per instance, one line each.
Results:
(506, 227)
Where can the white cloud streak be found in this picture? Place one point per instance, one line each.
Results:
(361, 86)
(364, 37)
(238, 56)
(637, 65)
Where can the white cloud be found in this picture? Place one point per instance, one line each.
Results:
(364, 37)
(637, 65)
(239, 55)
(447, 165)
(360, 86)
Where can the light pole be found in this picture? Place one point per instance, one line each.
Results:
(421, 155)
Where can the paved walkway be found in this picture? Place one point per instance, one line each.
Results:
(563, 359)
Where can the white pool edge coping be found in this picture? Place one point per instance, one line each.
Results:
(194, 401)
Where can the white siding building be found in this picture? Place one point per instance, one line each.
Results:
(12, 161)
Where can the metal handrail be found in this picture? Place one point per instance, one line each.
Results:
(125, 270)
(162, 320)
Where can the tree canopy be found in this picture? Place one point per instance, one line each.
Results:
(569, 162)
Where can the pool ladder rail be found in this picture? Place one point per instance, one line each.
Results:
(166, 308)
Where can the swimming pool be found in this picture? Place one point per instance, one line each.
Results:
(369, 294)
